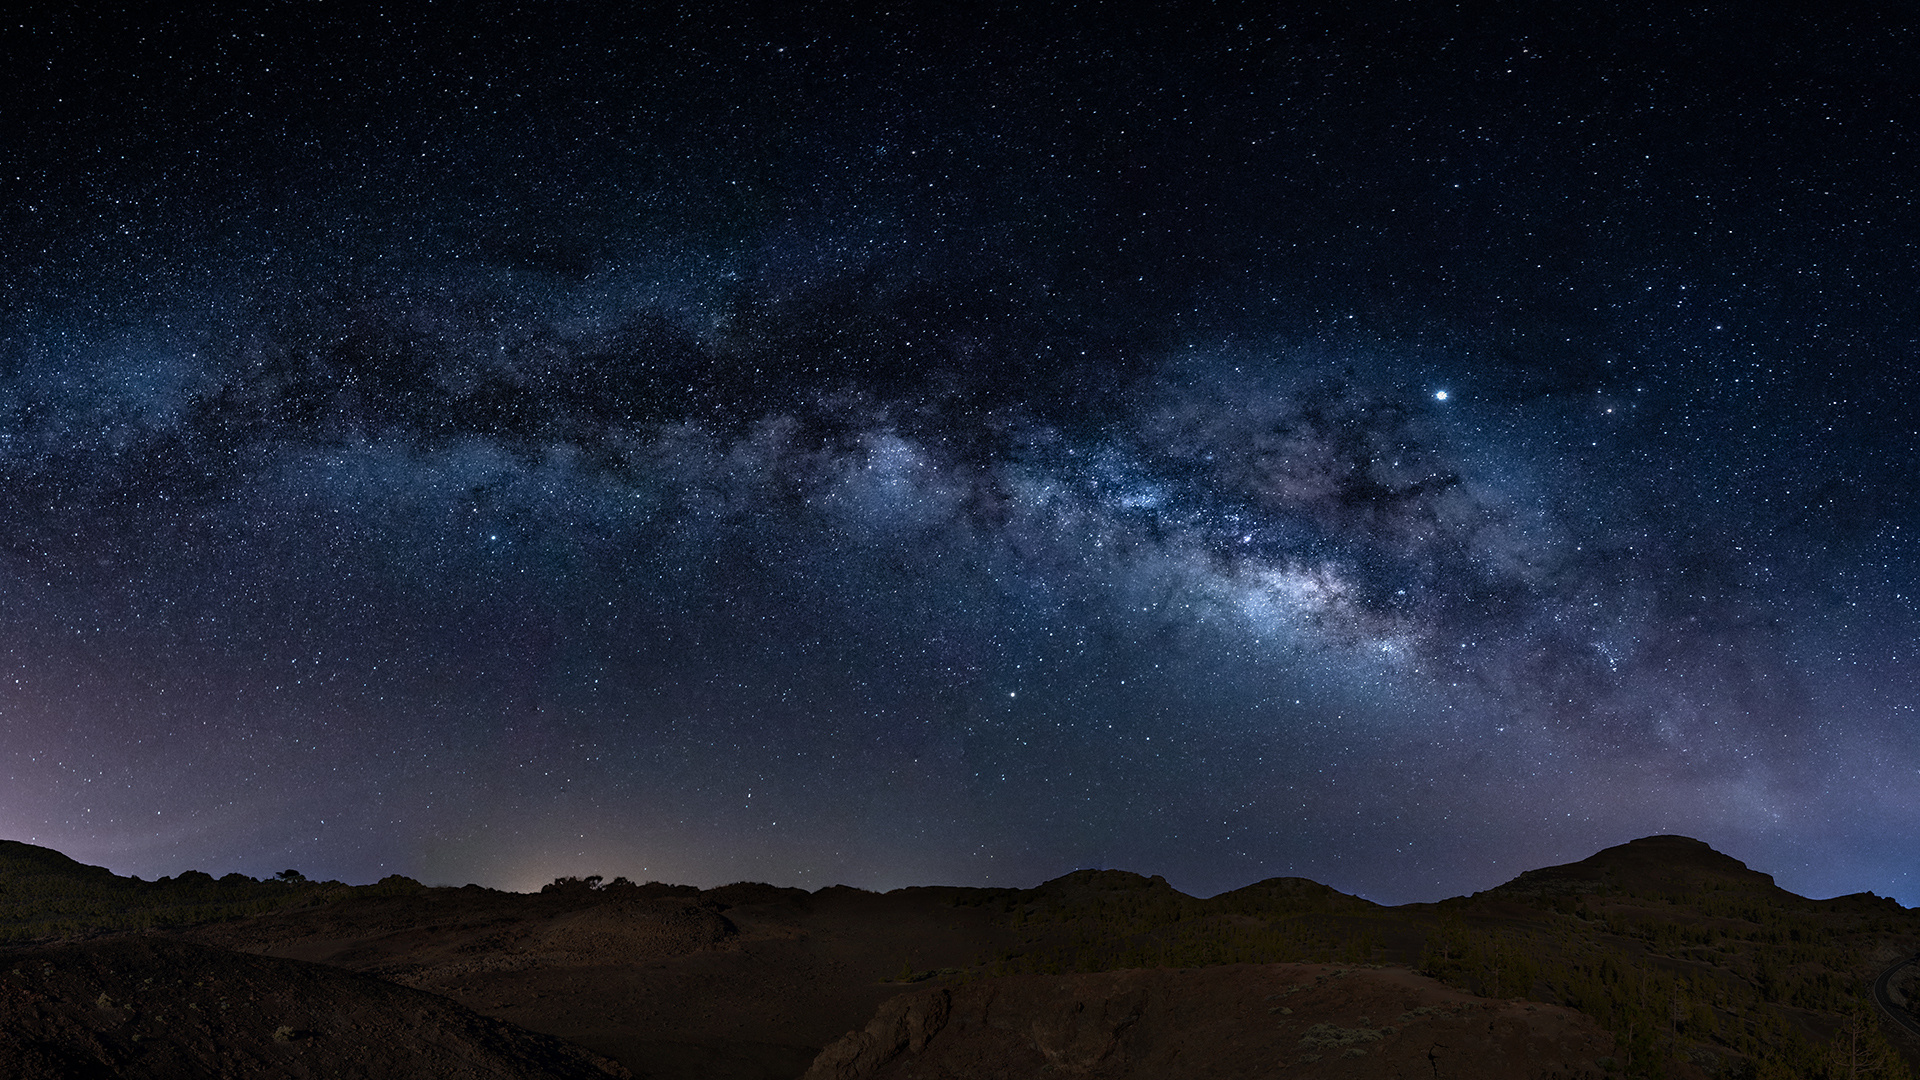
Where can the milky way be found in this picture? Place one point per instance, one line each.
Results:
(856, 449)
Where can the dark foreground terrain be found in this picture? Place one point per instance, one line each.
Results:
(1314, 1020)
(152, 1007)
(1661, 957)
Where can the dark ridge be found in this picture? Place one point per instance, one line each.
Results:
(1655, 865)
(742, 893)
(46, 896)
(19, 859)
(1295, 893)
(1092, 882)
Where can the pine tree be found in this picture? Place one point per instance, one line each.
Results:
(1860, 1051)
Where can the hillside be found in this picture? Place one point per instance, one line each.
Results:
(1660, 957)
(147, 1007)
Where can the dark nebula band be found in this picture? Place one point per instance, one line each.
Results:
(828, 447)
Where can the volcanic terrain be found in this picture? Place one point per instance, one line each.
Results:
(1657, 957)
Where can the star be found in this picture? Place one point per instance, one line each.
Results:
(791, 460)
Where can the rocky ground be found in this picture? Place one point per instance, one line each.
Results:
(1237, 1020)
(745, 982)
(151, 1008)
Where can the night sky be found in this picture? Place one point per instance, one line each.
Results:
(489, 442)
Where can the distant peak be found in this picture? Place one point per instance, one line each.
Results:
(1087, 882)
(1650, 863)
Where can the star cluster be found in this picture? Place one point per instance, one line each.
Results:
(550, 439)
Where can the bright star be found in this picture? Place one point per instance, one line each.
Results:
(1439, 395)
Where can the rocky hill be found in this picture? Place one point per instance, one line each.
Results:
(1660, 957)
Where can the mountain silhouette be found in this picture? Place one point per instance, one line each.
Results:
(1660, 956)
